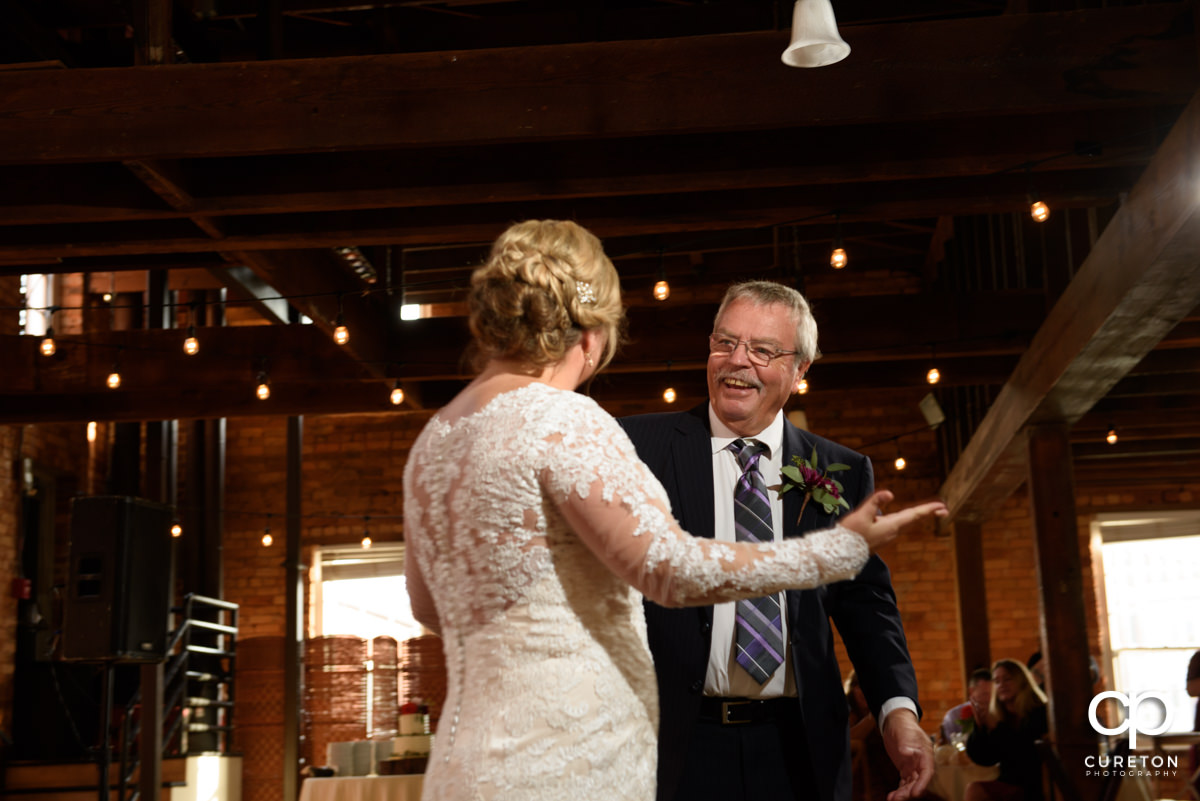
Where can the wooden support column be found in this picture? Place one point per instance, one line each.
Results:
(972, 597)
(1060, 586)
(294, 598)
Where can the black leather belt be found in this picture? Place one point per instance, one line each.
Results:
(744, 710)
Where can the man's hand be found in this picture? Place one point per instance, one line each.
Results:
(911, 752)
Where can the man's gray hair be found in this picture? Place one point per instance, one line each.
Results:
(768, 293)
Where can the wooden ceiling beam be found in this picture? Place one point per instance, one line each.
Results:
(982, 147)
(1090, 59)
(1139, 281)
(707, 213)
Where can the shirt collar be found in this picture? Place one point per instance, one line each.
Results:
(771, 436)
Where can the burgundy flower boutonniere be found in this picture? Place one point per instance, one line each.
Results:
(814, 483)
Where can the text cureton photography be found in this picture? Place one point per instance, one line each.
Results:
(1131, 765)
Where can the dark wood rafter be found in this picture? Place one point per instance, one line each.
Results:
(475, 97)
(1141, 280)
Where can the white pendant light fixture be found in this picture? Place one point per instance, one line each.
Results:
(815, 38)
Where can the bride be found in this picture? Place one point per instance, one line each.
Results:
(531, 529)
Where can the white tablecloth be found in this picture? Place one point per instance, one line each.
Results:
(363, 788)
(953, 771)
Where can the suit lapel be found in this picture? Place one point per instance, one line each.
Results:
(691, 457)
(814, 517)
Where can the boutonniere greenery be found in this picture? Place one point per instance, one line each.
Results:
(814, 483)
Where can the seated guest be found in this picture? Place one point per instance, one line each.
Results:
(979, 690)
(1005, 732)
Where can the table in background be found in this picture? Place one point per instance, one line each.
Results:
(363, 788)
(953, 771)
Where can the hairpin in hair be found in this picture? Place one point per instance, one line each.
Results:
(585, 293)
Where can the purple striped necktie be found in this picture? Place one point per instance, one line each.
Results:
(759, 621)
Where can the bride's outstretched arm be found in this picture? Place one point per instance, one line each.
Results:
(620, 511)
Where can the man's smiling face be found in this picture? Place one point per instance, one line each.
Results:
(744, 395)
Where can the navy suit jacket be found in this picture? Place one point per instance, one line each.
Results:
(677, 448)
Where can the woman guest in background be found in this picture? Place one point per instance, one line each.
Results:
(530, 526)
(1005, 732)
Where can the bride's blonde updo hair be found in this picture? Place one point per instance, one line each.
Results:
(544, 283)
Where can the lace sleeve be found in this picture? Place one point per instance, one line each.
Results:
(423, 608)
(620, 511)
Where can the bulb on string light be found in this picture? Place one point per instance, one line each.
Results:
(341, 334)
(837, 259)
(267, 539)
(397, 394)
(263, 389)
(48, 345)
(176, 530)
(114, 378)
(1111, 437)
(1039, 211)
(900, 463)
(669, 394)
(366, 543)
(107, 297)
(802, 386)
(662, 290)
(91, 432)
(933, 376)
(191, 345)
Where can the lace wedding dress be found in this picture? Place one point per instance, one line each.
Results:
(531, 526)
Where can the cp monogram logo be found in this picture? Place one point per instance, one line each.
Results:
(1130, 721)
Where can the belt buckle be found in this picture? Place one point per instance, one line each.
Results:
(725, 706)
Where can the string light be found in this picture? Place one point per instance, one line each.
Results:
(837, 259)
(397, 394)
(91, 431)
(933, 376)
(267, 539)
(662, 290)
(191, 345)
(1038, 210)
(900, 463)
(176, 530)
(263, 389)
(341, 334)
(1111, 437)
(669, 394)
(802, 386)
(114, 378)
(366, 540)
(48, 346)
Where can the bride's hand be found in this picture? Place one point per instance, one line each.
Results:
(879, 529)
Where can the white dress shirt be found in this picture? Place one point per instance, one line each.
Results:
(725, 677)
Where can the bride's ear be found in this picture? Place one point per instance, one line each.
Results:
(592, 341)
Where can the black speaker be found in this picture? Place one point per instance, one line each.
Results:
(119, 582)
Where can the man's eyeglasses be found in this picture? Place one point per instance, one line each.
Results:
(759, 353)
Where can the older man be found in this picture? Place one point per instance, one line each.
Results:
(751, 699)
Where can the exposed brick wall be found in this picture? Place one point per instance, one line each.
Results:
(353, 469)
(62, 451)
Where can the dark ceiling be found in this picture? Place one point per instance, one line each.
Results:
(174, 152)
